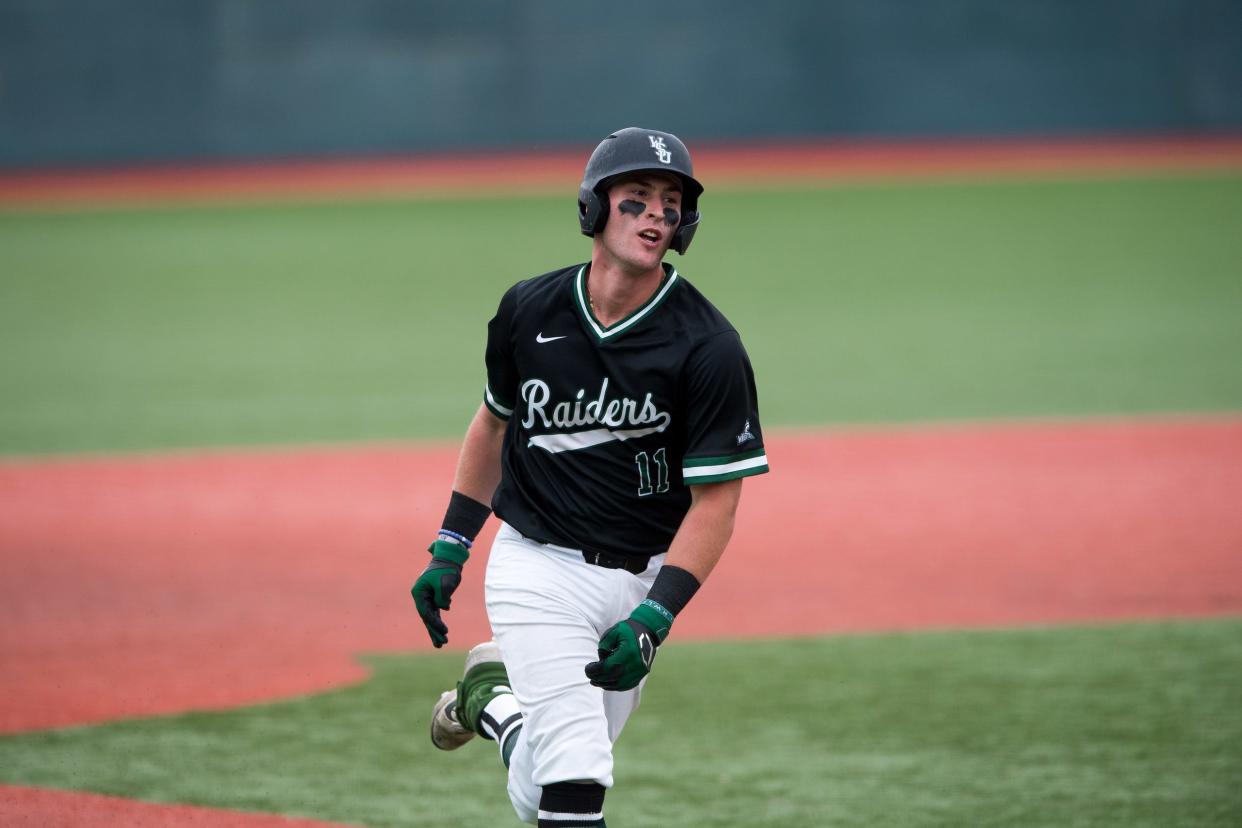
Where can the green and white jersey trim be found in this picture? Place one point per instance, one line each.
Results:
(496, 406)
(584, 305)
(716, 469)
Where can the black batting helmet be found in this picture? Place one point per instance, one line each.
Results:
(633, 150)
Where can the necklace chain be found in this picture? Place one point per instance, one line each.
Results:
(591, 300)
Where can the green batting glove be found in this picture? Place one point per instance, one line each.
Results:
(628, 648)
(433, 591)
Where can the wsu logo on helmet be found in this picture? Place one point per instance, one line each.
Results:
(662, 152)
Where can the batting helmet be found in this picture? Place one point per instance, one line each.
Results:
(633, 150)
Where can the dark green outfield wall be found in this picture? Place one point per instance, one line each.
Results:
(102, 82)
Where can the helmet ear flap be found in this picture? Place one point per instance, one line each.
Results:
(685, 232)
(592, 211)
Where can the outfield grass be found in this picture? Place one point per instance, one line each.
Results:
(1131, 725)
(149, 329)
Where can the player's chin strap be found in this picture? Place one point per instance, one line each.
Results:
(627, 650)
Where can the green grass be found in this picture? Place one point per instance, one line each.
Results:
(148, 329)
(1130, 725)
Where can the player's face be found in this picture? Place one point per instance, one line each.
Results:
(645, 211)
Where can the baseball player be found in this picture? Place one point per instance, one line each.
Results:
(618, 421)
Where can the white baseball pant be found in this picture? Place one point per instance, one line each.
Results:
(548, 609)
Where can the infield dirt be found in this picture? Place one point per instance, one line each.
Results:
(146, 585)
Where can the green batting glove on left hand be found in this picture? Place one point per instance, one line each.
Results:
(433, 591)
(628, 648)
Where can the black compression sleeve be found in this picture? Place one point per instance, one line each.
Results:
(465, 515)
(673, 588)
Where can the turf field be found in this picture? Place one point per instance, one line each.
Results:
(1132, 725)
(143, 330)
(294, 324)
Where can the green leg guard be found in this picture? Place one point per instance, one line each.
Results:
(477, 688)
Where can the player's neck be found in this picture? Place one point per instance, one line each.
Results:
(615, 292)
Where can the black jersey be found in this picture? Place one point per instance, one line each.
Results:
(609, 425)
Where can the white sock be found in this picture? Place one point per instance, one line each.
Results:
(499, 720)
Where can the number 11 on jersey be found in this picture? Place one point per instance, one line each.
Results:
(644, 473)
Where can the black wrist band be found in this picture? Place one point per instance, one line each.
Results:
(465, 515)
(673, 588)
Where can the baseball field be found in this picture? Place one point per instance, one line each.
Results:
(994, 578)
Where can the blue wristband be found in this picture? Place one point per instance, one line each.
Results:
(451, 535)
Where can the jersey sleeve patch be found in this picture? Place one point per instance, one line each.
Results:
(717, 469)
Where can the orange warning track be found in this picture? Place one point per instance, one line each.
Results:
(721, 165)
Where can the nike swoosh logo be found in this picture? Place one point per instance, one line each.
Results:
(539, 337)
